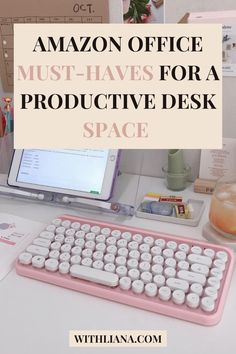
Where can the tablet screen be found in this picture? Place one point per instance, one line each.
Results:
(79, 170)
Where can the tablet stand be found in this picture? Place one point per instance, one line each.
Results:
(115, 205)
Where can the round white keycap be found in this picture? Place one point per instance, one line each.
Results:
(184, 247)
(218, 263)
(75, 225)
(85, 227)
(125, 283)
(132, 264)
(211, 291)
(180, 256)
(54, 254)
(213, 281)
(178, 297)
(207, 304)
(100, 239)
(137, 238)
(112, 249)
(164, 293)
(144, 248)
(111, 241)
(48, 235)
(137, 286)
(144, 266)
(98, 256)
(76, 250)
(109, 258)
(216, 272)
(56, 222)
(110, 267)
(156, 251)
(98, 265)
(65, 248)
(170, 262)
(126, 236)
(146, 277)
(123, 252)
(66, 224)
(59, 238)
(90, 236)
(146, 257)
(51, 228)
(133, 246)
(70, 232)
(120, 261)
(157, 269)
(169, 272)
(75, 259)
(25, 258)
(100, 247)
(172, 245)
(65, 257)
(149, 240)
(90, 245)
(160, 243)
(134, 255)
(87, 253)
(80, 234)
(196, 289)
(95, 229)
(106, 231)
(60, 230)
(158, 260)
(133, 274)
(122, 243)
(87, 262)
(183, 265)
(116, 234)
(51, 264)
(192, 300)
(223, 256)
(168, 253)
(151, 289)
(159, 280)
(56, 246)
(80, 242)
(64, 267)
(196, 250)
(121, 271)
(209, 252)
(38, 261)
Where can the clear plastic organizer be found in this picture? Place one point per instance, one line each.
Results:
(198, 206)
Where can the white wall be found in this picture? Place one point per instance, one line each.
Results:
(174, 11)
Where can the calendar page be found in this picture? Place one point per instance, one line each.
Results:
(43, 11)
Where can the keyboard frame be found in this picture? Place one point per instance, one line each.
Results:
(167, 308)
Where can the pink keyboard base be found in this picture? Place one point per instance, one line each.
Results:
(128, 297)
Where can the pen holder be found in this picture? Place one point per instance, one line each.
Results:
(176, 172)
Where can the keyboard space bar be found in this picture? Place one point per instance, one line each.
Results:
(94, 275)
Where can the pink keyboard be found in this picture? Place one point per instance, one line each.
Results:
(169, 275)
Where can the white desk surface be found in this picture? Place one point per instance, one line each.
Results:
(36, 317)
